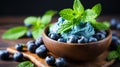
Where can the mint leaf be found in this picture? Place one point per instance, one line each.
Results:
(78, 7)
(67, 14)
(15, 33)
(112, 55)
(89, 15)
(46, 18)
(101, 25)
(26, 64)
(97, 9)
(30, 20)
(36, 32)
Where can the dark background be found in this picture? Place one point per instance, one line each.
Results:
(38, 7)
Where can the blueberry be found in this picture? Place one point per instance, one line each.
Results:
(19, 47)
(104, 32)
(50, 60)
(4, 55)
(41, 51)
(18, 56)
(114, 33)
(30, 42)
(113, 23)
(118, 26)
(72, 39)
(39, 41)
(115, 42)
(32, 47)
(61, 40)
(82, 40)
(54, 36)
(29, 33)
(99, 36)
(60, 62)
(28, 25)
(92, 39)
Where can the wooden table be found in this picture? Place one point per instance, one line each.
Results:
(7, 22)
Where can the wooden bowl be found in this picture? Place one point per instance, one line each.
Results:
(75, 51)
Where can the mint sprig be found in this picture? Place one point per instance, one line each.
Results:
(37, 23)
(15, 33)
(114, 54)
(79, 14)
(26, 64)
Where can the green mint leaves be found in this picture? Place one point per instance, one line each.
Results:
(78, 7)
(15, 33)
(115, 54)
(37, 23)
(26, 64)
(78, 14)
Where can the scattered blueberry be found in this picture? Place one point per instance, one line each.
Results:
(114, 33)
(18, 56)
(118, 26)
(115, 42)
(29, 34)
(61, 40)
(92, 39)
(32, 47)
(82, 40)
(28, 25)
(41, 51)
(113, 23)
(72, 39)
(50, 60)
(39, 41)
(19, 47)
(53, 36)
(60, 62)
(30, 42)
(4, 55)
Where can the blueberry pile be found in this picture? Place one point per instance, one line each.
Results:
(115, 24)
(75, 35)
(34, 46)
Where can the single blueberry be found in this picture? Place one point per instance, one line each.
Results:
(118, 26)
(41, 51)
(114, 33)
(4, 54)
(28, 25)
(115, 42)
(113, 23)
(50, 60)
(72, 39)
(60, 62)
(19, 46)
(54, 36)
(39, 41)
(61, 40)
(18, 56)
(30, 42)
(32, 47)
(92, 39)
(104, 32)
(82, 40)
(99, 36)
(29, 33)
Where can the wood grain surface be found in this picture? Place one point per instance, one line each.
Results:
(7, 22)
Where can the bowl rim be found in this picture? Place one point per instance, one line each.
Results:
(47, 27)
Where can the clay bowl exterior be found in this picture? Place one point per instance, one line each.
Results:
(75, 51)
